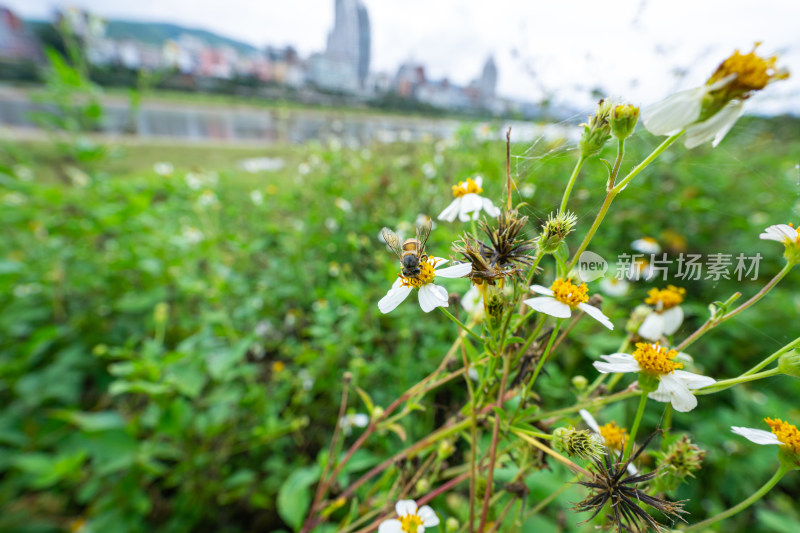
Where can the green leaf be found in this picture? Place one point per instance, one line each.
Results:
(294, 496)
(92, 422)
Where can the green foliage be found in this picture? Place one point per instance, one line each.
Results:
(215, 412)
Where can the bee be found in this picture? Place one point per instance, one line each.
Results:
(412, 251)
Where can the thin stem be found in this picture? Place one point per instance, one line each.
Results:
(714, 322)
(617, 163)
(587, 404)
(508, 167)
(495, 437)
(649, 159)
(728, 383)
(571, 183)
(557, 456)
(757, 495)
(463, 326)
(542, 359)
(596, 224)
(636, 421)
(473, 434)
(773, 357)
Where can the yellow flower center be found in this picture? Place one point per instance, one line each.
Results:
(426, 274)
(655, 359)
(466, 187)
(410, 523)
(786, 433)
(753, 72)
(566, 292)
(667, 298)
(614, 435)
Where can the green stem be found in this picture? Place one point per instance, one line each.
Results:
(596, 224)
(757, 495)
(635, 428)
(773, 357)
(571, 183)
(649, 159)
(463, 326)
(539, 366)
(728, 383)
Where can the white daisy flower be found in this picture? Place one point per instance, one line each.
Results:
(163, 169)
(667, 316)
(783, 233)
(351, 420)
(468, 204)
(782, 434)
(646, 245)
(613, 435)
(431, 296)
(562, 298)
(707, 113)
(614, 287)
(674, 385)
(409, 519)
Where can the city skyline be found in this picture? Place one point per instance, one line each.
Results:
(546, 51)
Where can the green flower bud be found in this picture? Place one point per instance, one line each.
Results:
(423, 486)
(789, 363)
(580, 382)
(598, 131)
(451, 525)
(623, 120)
(161, 312)
(377, 412)
(579, 443)
(555, 230)
(445, 449)
(680, 461)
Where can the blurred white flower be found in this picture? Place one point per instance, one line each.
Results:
(192, 235)
(207, 199)
(667, 315)
(472, 301)
(13, 199)
(349, 421)
(257, 197)
(193, 180)
(303, 169)
(343, 204)
(614, 287)
(261, 164)
(163, 169)
(468, 203)
(428, 170)
(646, 245)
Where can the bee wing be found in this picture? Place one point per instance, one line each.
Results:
(423, 232)
(392, 241)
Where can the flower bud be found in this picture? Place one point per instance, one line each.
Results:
(555, 230)
(623, 120)
(680, 461)
(579, 443)
(377, 412)
(789, 363)
(423, 486)
(580, 382)
(451, 525)
(161, 312)
(445, 449)
(598, 131)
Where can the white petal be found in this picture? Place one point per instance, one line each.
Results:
(393, 298)
(456, 271)
(617, 362)
(680, 397)
(653, 327)
(672, 319)
(390, 526)
(470, 203)
(478, 181)
(715, 127)
(440, 261)
(360, 420)
(590, 421)
(673, 113)
(541, 290)
(549, 306)
(451, 211)
(429, 518)
(490, 209)
(693, 381)
(759, 436)
(432, 296)
(405, 507)
(597, 314)
(780, 233)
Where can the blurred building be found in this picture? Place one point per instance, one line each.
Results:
(344, 65)
(15, 41)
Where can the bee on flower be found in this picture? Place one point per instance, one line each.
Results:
(418, 271)
(468, 203)
(707, 113)
(667, 315)
(410, 518)
(655, 363)
(562, 297)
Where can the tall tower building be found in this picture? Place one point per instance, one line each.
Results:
(488, 79)
(349, 40)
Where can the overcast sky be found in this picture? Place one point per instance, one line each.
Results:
(633, 49)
